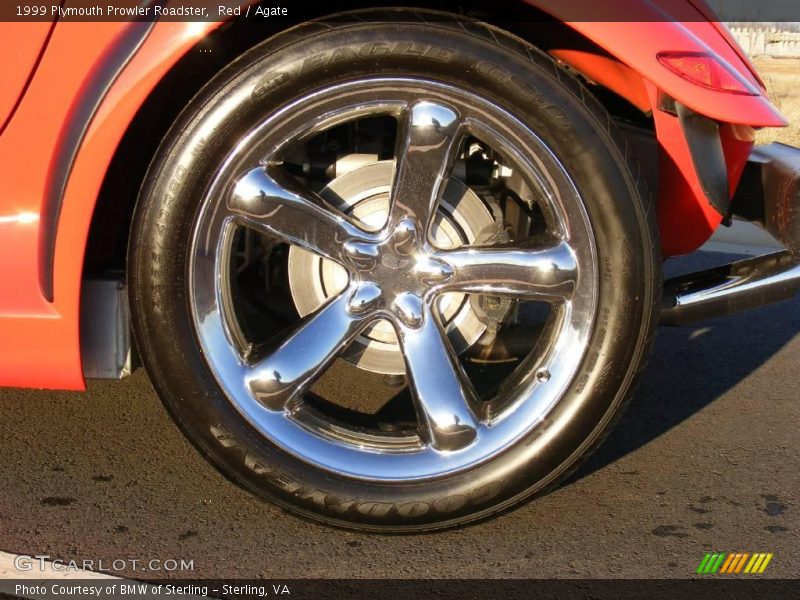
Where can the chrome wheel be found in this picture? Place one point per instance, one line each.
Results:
(404, 279)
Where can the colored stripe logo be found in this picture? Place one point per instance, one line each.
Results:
(734, 562)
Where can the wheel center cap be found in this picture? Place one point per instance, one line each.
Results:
(395, 274)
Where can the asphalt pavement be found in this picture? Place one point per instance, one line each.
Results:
(706, 458)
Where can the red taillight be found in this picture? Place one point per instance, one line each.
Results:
(705, 70)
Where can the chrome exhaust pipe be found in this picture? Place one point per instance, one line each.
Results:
(730, 289)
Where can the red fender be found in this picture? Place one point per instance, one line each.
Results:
(633, 33)
(636, 31)
(39, 339)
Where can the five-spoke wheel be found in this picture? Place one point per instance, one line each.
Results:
(396, 273)
(393, 271)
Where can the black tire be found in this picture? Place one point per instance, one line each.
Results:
(481, 58)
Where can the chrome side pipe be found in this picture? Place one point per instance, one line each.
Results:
(730, 289)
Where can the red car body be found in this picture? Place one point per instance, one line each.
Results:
(71, 90)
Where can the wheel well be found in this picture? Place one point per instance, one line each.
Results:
(110, 226)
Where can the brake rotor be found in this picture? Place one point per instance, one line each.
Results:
(363, 194)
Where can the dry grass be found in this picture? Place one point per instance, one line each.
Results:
(782, 77)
